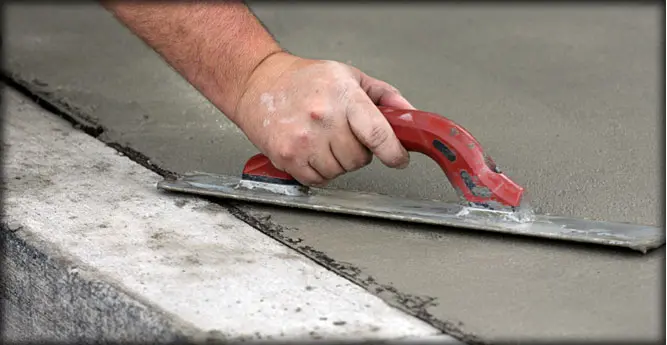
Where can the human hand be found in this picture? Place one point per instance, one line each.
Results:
(317, 120)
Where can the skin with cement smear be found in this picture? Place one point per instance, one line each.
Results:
(329, 97)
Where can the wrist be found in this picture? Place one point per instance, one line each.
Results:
(227, 82)
(261, 77)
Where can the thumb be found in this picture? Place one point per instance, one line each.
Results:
(394, 99)
(382, 93)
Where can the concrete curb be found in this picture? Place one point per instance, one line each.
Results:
(94, 251)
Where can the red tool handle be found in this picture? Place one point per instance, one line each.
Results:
(473, 174)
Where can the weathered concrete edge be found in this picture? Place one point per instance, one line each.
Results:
(95, 293)
(50, 282)
(417, 306)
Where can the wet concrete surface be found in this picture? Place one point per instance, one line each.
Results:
(564, 98)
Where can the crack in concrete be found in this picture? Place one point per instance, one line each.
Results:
(416, 306)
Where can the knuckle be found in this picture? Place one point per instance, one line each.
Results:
(303, 138)
(321, 106)
(290, 149)
(286, 153)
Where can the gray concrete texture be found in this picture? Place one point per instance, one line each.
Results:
(45, 296)
(565, 98)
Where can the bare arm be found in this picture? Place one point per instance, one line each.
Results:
(215, 45)
(314, 119)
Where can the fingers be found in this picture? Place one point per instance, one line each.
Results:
(316, 170)
(343, 154)
(348, 151)
(326, 164)
(373, 130)
(307, 175)
(289, 160)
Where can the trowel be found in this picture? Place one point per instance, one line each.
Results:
(488, 199)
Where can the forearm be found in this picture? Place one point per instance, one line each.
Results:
(214, 45)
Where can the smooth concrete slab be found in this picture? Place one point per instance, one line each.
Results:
(565, 98)
(182, 258)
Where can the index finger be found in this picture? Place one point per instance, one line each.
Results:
(373, 130)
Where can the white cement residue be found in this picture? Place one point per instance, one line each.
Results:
(287, 120)
(267, 100)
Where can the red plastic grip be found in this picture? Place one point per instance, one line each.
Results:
(259, 168)
(473, 174)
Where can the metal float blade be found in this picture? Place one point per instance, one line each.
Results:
(638, 237)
